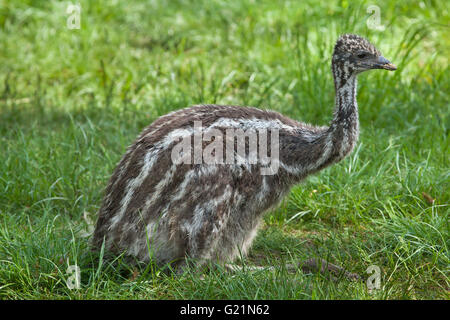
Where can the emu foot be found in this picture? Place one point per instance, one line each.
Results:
(326, 268)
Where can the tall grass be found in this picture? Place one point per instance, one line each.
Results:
(71, 101)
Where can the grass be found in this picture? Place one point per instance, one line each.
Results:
(71, 101)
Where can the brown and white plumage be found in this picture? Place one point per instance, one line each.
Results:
(157, 209)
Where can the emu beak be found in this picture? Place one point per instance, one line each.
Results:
(383, 63)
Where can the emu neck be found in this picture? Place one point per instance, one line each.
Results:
(335, 142)
(311, 151)
(344, 129)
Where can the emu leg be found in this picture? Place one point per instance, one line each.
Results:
(324, 267)
(312, 265)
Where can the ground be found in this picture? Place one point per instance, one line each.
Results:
(72, 100)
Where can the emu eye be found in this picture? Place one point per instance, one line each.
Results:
(362, 55)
